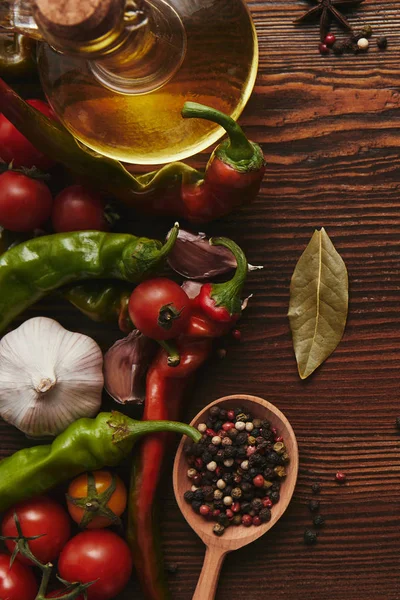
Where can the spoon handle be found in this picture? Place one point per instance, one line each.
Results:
(208, 580)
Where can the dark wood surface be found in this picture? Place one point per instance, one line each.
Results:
(330, 130)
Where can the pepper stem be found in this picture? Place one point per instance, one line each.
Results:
(239, 147)
(170, 242)
(228, 293)
(173, 355)
(140, 428)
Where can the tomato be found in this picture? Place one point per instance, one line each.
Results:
(17, 582)
(159, 308)
(78, 488)
(61, 592)
(25, 203)
(16, 148)
(99, 555)
(38, 516)
(78, 208)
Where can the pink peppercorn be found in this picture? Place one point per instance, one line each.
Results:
(198, 463)
(323, 48)
(204, 510)
(231, 415)
(274, 430)
(210, 432)
(228, 426)
(236, 334)
(247, 520)
(229, 513)
(235, 507)
(267, 502)
(218, 471)
(197, 479)
(250, 450)
(330, 39)
(279, 438)
(216, 513)
(340, 477)
(256, 521)
(258, 481)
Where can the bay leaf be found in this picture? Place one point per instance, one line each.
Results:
(319, 296)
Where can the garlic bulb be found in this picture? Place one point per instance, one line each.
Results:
(49, 377)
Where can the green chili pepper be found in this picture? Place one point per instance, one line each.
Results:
(102, 301)
(41, 265)
(86, 445)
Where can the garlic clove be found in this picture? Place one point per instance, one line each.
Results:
(49, 377)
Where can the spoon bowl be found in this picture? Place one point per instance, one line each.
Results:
(235, 536)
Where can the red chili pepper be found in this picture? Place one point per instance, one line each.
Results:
(233, 175)
(221, 301)
(165, 389)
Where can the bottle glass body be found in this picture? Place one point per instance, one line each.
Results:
(218, 68)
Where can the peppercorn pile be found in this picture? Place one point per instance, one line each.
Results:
(236, 469)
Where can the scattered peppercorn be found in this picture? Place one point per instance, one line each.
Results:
(340, 477)
(313, 505)
(236, 334)
(323, 49)
(330, 39)
(318, 521)
(363, 44)
(310, 537)
(366, 31)
(382, 42)
(338, 48)
(316, 487)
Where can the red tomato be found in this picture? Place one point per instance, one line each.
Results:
(59, 593)
(25, 203)
(98, 554)
(38, 516)
(17, 582)
(78, 208)
(16, 148)
(159, 308)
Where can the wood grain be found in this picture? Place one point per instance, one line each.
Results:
(330, 130)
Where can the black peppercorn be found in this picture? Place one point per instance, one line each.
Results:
(338, 48)
(214, 411)
(237, 520)
(241, 438)
(196, 505)
(230, 452)
(218, 504)
(188, 448)
(206, 457)
(227, 477)
(189, 495)
(197, 450)
(265, 424)
(232, 434)
(276, 486)
(208, 492)
(223, 414)
(223, 519)
(267, 435)
(318, 521)
(241, 452)
(218, 529)
(246, 478)
(313, 505)
(382, 42)
(256, 505)
(212, 449)
(274, 497)
(208, 476)
(254, 471)
(245, 486)
(228, 490)
(310, 537)
(246, 507)
(273, 458)
(256, 432)
(316, 487)
(265, 515)
(199, 495)
(256, 459)
(268, 473)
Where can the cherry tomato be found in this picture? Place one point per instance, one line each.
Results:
(99, 555)
(159, 308)
(17, 582)
(78, 208)
(61, 592)
(16, 148)
(78, 488)
(38, 516)
(25, 203)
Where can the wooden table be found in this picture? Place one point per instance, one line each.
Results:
(329, 128)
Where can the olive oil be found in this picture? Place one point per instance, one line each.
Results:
(218, 69)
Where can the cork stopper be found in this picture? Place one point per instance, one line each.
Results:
(77, 20)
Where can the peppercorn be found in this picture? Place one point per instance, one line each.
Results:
(218, 505)
(280, 471)
(340, 477)
(199, 495)
(197, 479)
(208, 492)
(313, 505)
(268, 473)
(246, 487)
(236, 493)
(237, 478)
(319, 521)
(223, 414)
(218, 529)
(241, 452)
(274, 496)
(206, 457)
(219, 456)
(236, 506)
(223, 519)
(267, 503)
(310, 537)
(338, 48)
(382, 44)
(256, 521)
(258, 480)
(218, 425)
(247, 520)
(241, 438)
(227, 477)
(276, 486)
(204, 510)
(316, 487)
(197, 450)
(246, 507)
(268, 486)
(256, 504)
(237, 520)
(272, 458)
(232, 434)
(251, 440)
(256, 431)
(256, 460)
(228, 490)
(231, 415)
(265, 515)
(212, 450)
(188, 496)
(218, 494)
(366, 31)
(196, 505)
(226, 441)
(279, 447)
(285, 458)
(215, 411)
(229, 452)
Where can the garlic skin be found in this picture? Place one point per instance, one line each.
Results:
(49, 377)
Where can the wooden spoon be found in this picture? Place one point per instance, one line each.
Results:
(236, 536)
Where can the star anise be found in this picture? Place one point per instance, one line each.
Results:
(325, 10)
